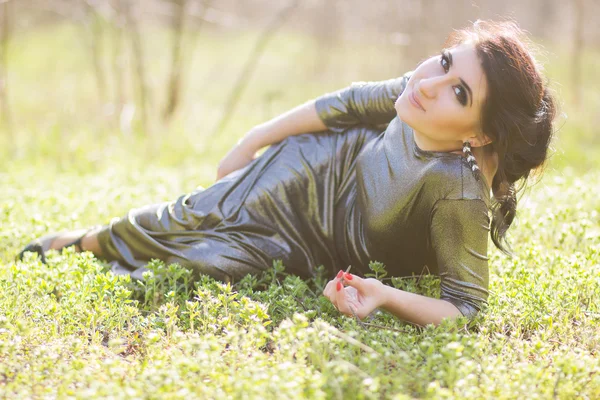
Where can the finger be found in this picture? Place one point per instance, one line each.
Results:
(331, 285)
(342, 301)
(337, 283)
(330, 292)
(327, 291)
(353, 280)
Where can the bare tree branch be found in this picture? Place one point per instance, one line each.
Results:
(94, 35)
(176, 62)
(117, 62)
(136, 44)
(180, 58)
(243, 77)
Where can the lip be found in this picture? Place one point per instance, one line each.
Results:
(415, 101)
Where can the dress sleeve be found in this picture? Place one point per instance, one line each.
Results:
(459, 236)
(370, 103)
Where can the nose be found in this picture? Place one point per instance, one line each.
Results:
(428, 87)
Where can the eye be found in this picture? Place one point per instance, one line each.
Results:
(459, 91)
(444, 62)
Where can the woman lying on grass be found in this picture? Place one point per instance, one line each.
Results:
(399, 171)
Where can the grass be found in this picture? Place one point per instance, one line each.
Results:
(71, 329)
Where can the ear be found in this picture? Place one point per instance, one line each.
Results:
(479, 140)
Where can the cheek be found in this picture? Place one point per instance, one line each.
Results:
(437, 123)
(443, 118)
(449, 124)
(445, 113)
(444, 123)
(402, 107)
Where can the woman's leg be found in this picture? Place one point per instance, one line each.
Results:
(89, 242)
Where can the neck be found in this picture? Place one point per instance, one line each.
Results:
(427, 144)
(486, 160)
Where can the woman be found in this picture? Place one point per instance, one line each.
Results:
(400, 172)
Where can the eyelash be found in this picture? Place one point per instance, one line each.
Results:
(462, 98)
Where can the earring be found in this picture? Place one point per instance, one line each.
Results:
(471, 159)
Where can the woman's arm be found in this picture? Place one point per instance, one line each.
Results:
(418, 309)
(459, 236)
(459, 233)
(370, 103)
(301, 119)
(361, 296)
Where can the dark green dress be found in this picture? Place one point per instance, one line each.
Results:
(361, 191)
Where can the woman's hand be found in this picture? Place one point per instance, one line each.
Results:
(361, 295)
(238, 157)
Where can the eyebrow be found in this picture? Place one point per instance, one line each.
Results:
(449, 55)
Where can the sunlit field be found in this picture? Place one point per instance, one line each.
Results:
(72, 329)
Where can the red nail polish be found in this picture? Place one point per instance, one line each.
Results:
(339, 275)
(348, 276)
(339, 286)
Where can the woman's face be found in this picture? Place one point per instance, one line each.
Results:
(450, 89)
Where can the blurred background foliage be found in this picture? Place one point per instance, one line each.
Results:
(89, 84)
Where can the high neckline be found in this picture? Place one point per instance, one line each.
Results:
(428, 153)
(439, 154)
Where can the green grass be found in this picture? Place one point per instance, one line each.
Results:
(70, 329)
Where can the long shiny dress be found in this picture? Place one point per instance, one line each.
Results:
(362, 191)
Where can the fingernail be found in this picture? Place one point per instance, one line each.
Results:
(348, 276)
(339, 286)
(339, 275)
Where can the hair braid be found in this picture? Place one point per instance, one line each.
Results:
(471, 160)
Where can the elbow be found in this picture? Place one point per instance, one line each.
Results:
(461, 309)
(450, 312)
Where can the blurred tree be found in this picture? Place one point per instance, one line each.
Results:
(182, 50)
(132, 15)
(121, 57)
(326, 29)
(175, 75)
(94, 35)
(250, 65)
(577, 49)
(5, 18)
(118, 22)
(545, 13)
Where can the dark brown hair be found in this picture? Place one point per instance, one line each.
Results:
(517, 114)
